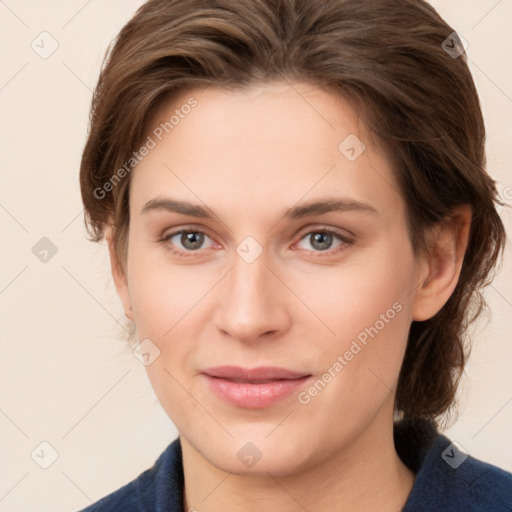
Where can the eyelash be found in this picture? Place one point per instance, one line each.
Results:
(186, 254)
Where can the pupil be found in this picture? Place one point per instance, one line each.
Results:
(192, 240)
(324, 240)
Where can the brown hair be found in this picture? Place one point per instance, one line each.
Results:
(389, 58)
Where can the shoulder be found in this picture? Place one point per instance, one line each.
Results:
(449, 479)
(162, 482)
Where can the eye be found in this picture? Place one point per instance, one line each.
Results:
(322, 241)
(190, 240)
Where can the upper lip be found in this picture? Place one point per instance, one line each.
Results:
(261, 373)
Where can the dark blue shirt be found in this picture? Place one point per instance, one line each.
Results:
(447, 480)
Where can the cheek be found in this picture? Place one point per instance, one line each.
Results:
(350, 298)
(368, 307)
(161, 293)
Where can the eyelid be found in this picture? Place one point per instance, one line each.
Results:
(323, 228)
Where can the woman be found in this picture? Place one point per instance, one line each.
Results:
(299, 223)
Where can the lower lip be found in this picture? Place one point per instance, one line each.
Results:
(255, 396)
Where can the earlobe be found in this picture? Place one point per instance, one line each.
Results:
(118, 275)
(448, 242)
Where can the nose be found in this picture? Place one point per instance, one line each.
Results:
(252, 302)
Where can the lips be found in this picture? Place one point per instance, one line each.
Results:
(262, 373)
(254, 388)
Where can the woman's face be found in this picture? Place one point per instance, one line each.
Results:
(317, 300)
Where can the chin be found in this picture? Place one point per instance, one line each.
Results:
(257, 453)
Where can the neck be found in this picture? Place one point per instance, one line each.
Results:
(366, 475)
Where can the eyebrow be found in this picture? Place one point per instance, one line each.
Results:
(317, 207)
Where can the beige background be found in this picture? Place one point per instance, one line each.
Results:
(65, 378)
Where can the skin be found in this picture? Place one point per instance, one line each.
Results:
(250, 155)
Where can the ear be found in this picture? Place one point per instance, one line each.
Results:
(447, 242)
(118, 274)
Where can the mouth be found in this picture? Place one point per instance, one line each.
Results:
(254, 388)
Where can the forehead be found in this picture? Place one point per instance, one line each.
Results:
(267, 143)
(257, 114)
